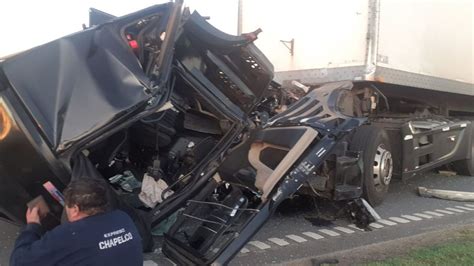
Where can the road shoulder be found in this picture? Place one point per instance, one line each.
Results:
(387, 249)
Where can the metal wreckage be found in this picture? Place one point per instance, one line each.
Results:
(161, 97)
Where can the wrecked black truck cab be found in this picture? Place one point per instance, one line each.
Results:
(269, 165)
(160, 100)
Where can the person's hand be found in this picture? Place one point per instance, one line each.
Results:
(32, 216)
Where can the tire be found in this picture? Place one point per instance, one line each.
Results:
(374, 144)
(466, 167)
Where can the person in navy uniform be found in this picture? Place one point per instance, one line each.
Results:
(93, 236)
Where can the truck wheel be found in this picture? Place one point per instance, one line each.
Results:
(466, 167)
(378, 163)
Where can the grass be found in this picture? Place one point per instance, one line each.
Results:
(458, 251)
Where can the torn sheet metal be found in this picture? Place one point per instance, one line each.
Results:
(77, 84)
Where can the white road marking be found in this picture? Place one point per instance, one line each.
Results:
(391, 221)
(259, 244)
(465, 208)
(313, 235)
(355, 227)
(149, 263)
(434, 213)
(444, 211)
(172, 263)
(296, 238)
(344, 230)
(386, 222)
(244, 250)
(411, 217)
(426, 216)
(376, 225)
(329, 232)
(454, 210)
(399, 220)
(278, 241)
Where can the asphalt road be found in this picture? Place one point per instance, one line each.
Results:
(404, 214)
(8, 234)
(288, 236)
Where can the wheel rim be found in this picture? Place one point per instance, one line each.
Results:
(383, 167)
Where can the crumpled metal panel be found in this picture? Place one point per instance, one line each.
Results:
(77, 84)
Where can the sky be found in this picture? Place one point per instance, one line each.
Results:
(28, 23)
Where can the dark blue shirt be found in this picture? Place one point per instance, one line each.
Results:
(105, 239)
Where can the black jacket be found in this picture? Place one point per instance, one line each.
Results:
(105, 239)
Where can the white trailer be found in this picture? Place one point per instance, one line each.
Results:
(418, 43)
(417, 53)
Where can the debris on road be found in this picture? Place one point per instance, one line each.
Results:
(447, 173)
(446, 194)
